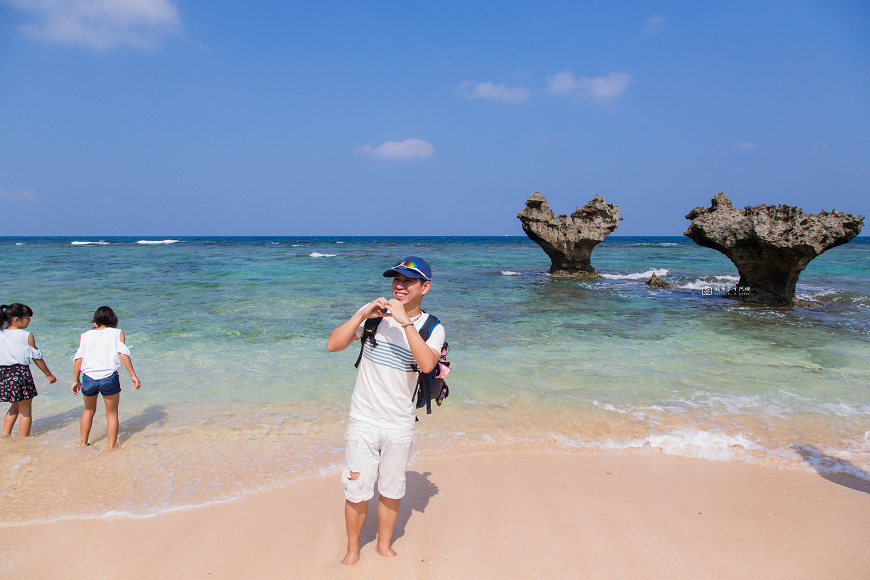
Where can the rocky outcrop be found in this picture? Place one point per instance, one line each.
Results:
(770, 245)
(656, 282)
(569, 241)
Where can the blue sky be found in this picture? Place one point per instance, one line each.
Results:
(154, 117)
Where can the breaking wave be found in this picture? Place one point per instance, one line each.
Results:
(638, 275)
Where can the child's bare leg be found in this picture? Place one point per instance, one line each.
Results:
(88, 417)
(24, 408)
(111, 402)
(9, 420)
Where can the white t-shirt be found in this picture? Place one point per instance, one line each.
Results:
(385, 384)
(14, 349)
(99, 350)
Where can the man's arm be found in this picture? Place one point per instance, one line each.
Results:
(344, 335)
(425, 356)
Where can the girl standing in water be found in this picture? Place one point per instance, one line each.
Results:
(17, 351)
(100, 354)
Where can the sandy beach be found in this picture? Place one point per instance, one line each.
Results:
(492, 516)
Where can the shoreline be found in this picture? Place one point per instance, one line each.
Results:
(513, 515)
(160, 468)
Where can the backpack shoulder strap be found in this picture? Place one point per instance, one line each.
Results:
(426, 329)
(369, 329)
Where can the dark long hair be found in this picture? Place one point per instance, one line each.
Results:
(105, 316)
(10, 311)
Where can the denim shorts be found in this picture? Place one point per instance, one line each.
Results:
(111, 385)
(377, 454)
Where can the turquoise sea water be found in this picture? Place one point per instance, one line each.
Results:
(239, 394)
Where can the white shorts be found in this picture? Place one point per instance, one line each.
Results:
(377, 454)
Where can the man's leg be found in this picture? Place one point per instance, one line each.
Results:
(354, 518)
(395, 454)
(388, 513)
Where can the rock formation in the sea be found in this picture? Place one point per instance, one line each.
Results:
(569, 241)
(770, 245)
(656, 282)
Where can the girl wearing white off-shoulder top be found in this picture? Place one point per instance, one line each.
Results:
(100, 354)
(17, 351)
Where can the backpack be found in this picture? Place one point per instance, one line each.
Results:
(430, 385)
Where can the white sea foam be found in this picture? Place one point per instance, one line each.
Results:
(509, 273)
(19, 243)
(638, 275)
(156, 242)
(319, 255)
(717, 286)
(716, 405)
(713, 445)
(812, 293)
(297, 245)
(831, 461)
(100, 243)
(339, 242)
(651, 244)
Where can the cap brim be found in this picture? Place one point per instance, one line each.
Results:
(404, 272)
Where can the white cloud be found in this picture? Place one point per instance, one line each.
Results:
(100, 23)
(654, 22)
(744, 145)
(21, 194)
(398, 150)
(598, 88)
(492, 92)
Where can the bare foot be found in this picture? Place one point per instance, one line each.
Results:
(387, 552)
(351, 558)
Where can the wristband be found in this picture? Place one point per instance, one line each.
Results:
(408, 324)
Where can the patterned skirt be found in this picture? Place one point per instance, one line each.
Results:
(16, 383)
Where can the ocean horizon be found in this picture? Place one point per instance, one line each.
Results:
(239, 394)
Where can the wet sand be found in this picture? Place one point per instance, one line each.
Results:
(506, 515)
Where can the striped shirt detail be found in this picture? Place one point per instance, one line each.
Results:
(390, 355)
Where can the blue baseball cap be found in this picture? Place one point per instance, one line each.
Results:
(412, 267)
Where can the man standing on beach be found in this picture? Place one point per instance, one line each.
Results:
(380, 434)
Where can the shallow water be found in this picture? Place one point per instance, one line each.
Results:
(239, 394)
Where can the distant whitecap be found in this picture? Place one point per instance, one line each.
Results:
(100, 243)
(156, 242)
(638, 275)
(319, 255)
(509, 273)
